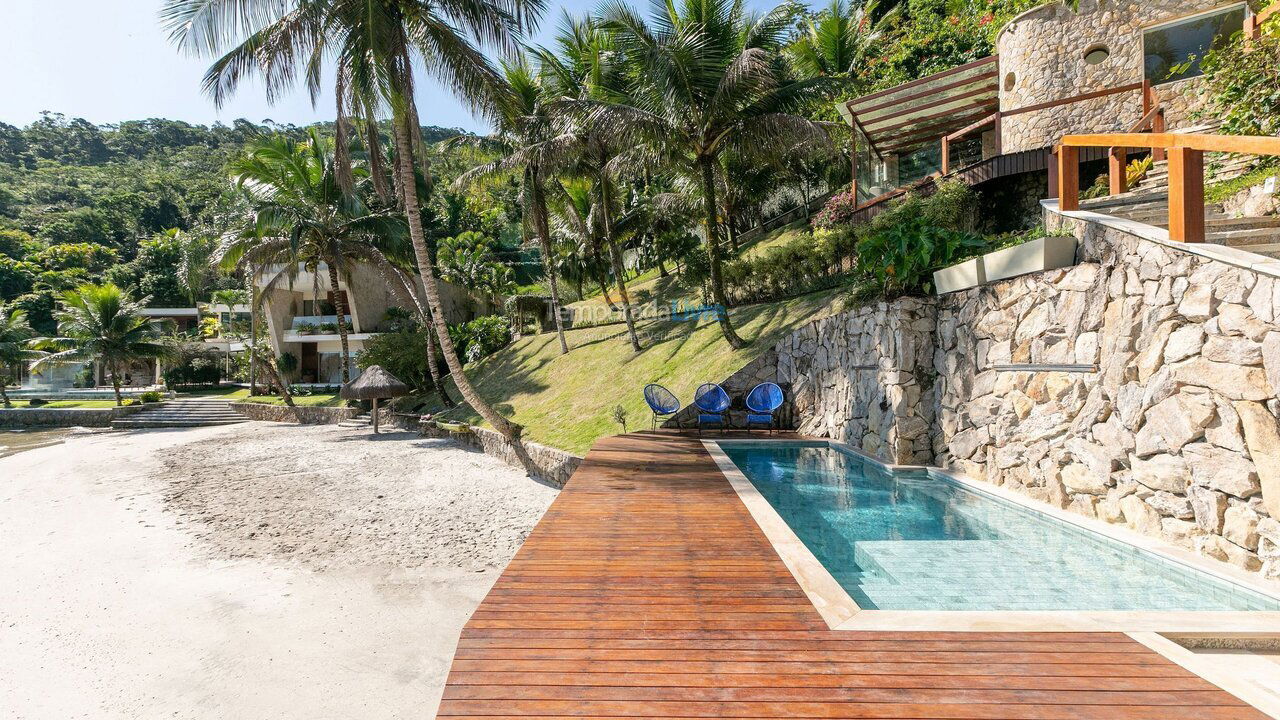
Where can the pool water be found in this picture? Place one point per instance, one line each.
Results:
(911, 541)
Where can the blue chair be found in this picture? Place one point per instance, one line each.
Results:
(662, 402)
(712, 402)
(762, 403)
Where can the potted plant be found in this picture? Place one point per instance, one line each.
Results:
(968, 274)
(305, 328)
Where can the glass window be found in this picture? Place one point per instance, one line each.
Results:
(1173, 51)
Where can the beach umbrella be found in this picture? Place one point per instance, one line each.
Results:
(373, 384)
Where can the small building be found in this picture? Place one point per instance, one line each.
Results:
(1109, 66)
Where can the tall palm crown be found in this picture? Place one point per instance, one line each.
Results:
(100, 323)
(16, 335)
(376, 45)
(706, 77)
(303, 216)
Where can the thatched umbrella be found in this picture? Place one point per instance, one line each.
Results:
(374, 383)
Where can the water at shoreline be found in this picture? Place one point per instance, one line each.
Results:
(13, 442)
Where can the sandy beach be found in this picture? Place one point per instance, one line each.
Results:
(255, 570)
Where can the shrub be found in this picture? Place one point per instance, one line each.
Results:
(150, 396)
(837, 212)
(900, 259)
(195, 369)
(1242, 86)
(36, 402)
(401, 352)
(480, 337)
(129, 402)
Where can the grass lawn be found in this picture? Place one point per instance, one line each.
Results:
(69, 404)
(1216, 192)
(776, 238)
(322, 400)
(567, 401)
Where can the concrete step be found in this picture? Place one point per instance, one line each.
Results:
(183, 412)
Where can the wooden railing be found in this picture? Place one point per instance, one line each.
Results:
(1186, 169)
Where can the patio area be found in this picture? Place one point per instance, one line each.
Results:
(647, 590)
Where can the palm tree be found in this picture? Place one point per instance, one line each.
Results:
(376, 45)
(16, 337)
(100, 323)
(834, 43)
(520, 105)
(707, 78)
(303, 215)
(585, 69)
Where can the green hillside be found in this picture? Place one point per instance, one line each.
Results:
(567, 401)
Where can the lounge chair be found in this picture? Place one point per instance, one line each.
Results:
(762, 405)
(662, 402)
(712, 402)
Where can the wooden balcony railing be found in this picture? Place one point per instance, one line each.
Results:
(1186, 169)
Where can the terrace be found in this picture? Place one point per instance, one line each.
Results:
(650, 589)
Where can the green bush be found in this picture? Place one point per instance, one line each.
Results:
(401, 352)
(1242, 86)
(150, 396)
(480, 337)
(197, 369)
(36, 402)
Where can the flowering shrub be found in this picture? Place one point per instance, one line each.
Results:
(837, 212)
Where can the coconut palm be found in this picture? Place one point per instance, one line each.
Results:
(16, 337)
(375, 46)
(523, 124)
(836, 41)
(584, 69)
(706, 78)
(303, 216)
(99, 323)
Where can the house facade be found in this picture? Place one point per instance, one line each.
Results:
(1107, 66)
(301, 315)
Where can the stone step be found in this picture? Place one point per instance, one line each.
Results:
(1244, 238)
(183, 412)
(143, 423)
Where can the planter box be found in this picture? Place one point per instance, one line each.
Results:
(1049, 253)
(968, 274)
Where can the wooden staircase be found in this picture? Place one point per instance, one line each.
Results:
(1148, 202)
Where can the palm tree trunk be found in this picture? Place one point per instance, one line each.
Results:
(713, 253)
(541, 226)
(253, 330)
(340, 304)
(408, 189)
(437, 382)
(615, 255)
(115, 385)
(4, 395)
(602, 278)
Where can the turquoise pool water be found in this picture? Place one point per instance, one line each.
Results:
(908, 541)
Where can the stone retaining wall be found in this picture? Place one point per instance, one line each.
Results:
(300, 415)
(864, 377)
(550, 464)
(63, 417)
(1138, 387)
(737, 385)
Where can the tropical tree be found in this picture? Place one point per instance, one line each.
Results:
(468, 260)
(585, 69)
(835, 42)
(303, 216)
(705, 79)
(99, 323)
(16, 337)
(377, 46)
(523, 124)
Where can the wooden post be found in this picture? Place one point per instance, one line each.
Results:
(1150, 100)
(853, 156)
(1053, 173)
(999, 129)
(1117, 170)
(1186, 195)
(946, 156)
(1068, 178)
(375, 416)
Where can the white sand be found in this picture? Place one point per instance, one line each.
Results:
(250, 571)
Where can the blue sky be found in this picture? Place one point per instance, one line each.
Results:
(109, 60)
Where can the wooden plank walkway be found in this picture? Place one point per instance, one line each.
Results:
(648, 591)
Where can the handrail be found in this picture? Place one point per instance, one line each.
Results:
(1148, 119)
(1186, 169)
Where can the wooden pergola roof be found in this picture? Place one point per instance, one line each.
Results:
(903, 118)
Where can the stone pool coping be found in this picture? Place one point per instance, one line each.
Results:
(841, 612)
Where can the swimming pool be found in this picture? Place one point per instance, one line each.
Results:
(911, 540)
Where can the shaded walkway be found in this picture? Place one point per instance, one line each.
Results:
(647, 590)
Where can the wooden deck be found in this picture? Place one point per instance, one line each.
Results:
(648, 591)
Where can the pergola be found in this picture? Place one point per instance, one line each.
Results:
(941, 107)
